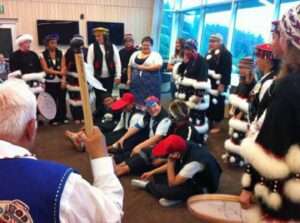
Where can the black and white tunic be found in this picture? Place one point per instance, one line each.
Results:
(73, 84)
(192, 84)
(26, 65)
(219, 65)
(261, 96)
(273, 173)
(238, 123)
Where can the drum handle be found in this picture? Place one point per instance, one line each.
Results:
(87, 113)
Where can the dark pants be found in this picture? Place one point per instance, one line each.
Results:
(59, 95)
(108, 84)
(159, 188)
(129, 144)
(77, 112)
(112, 137)
(216, 111)
(141, 162)
(173, 89)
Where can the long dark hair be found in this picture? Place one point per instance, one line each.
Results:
(180, 51)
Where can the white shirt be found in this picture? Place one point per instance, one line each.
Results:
(80, 201)
(122, 124)
(161, 130)
(175, 59)
(190, 169)
(153, 59)
(105, 72)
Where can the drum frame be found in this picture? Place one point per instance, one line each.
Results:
(211, 197)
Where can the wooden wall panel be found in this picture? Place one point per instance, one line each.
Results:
(136, 14)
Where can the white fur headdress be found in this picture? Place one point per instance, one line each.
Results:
(22, 38)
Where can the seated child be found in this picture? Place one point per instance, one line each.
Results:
(179, 115)
(190, 170)
(147, 132)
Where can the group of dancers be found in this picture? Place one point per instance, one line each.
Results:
(167, 147)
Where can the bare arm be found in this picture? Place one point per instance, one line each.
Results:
(146, 144)
(63, 66)
(170, 67)
(47, 69)
(130, 132)
(161, 169)
(173, 179)
(129, 74)
(150, 142)
(158, 170)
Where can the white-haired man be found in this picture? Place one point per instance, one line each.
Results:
(219, 61)
(24, 59)
(45, 191)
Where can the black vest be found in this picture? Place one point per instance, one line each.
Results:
(196, 69)
(109, 58)
(133, 112)
(255, 106)
(55, 66)
(220, 60)
(188, 132)
(163, 114)
(207, 178)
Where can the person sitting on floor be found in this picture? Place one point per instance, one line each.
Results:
(128, 118)
(179, 114)
(48, 191)
(110, 118)
(106, 124)
(190, 170)
(147, 132)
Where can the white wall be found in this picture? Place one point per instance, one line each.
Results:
(136, 14)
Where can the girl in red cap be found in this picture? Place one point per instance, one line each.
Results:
(190, 170)
(268, 66)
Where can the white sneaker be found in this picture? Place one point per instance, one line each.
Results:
(168, 203)
(139, 183)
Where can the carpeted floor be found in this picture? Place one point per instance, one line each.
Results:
(139, 207)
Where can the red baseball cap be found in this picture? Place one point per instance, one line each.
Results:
(125, 100)
(171, 144)
(264, 51)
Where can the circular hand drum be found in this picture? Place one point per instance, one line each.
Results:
(217, 208)
(46, 105)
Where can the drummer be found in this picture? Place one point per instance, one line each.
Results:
(190, 170)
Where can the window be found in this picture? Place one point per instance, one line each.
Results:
(190, 3)
(214, 1)
(215, 23)
(166, 28)
(189, 25)
(253, 26)
(286, 5)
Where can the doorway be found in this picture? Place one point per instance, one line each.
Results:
(7, 36)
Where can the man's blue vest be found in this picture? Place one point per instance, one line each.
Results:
(38, 184)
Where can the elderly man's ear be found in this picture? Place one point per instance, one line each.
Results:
(30, 132)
